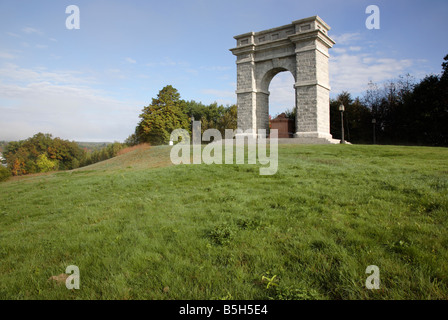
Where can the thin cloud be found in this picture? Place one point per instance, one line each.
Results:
(353, 72)
(168, 62)
(222, 97)
(12, 73)
(346, 38)
(61, 103)
(191, 71)
(12, 34)
(216, 68)
(29, 30)
(339, 50)
(115, 73)
(6, 55)
(55, 56)
(353, 64)
(130, 60)
(219, 93)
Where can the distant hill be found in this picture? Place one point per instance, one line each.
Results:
(87, 146)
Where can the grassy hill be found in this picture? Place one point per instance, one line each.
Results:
(140, 228)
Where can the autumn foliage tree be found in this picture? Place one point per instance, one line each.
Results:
(44, 164)
(18, 167)
(42, 153)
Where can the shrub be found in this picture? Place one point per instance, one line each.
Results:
(4, 173)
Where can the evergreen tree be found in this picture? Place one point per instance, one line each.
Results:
(161, 117)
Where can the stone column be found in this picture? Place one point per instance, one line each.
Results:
(246, 87)
(312, 86)
(262, 112)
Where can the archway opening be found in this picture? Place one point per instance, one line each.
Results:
(282, 104)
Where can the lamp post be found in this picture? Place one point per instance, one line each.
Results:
(373, 124)
(342, 108)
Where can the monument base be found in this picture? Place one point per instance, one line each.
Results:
(314, 138)
(299, 138)
(308, 141)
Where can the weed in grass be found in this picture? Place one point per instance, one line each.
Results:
(250, 224)
(269, 280)
(291, 293)
(222, 234)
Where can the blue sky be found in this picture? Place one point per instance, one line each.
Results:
(91, 84)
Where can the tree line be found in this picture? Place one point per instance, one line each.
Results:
(43, 153)
(168, 112)
(400, 111)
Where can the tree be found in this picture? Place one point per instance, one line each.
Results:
(35, 154)
(291, 113)
(357, 119)
(444, 76)
(427, 112)
(161, 117)
(106, 152)
(335, 115)
(228, 119)
(132, 140)
(45, 165)
(196, 110)
(409, 112)
(388, 107)
(18, 167)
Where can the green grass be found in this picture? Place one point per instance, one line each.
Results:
(140, 228)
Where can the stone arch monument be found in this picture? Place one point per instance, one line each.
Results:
(300, 48)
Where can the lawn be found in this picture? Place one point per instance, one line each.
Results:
(139, 227)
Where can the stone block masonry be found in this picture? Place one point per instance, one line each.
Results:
(300, 48)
